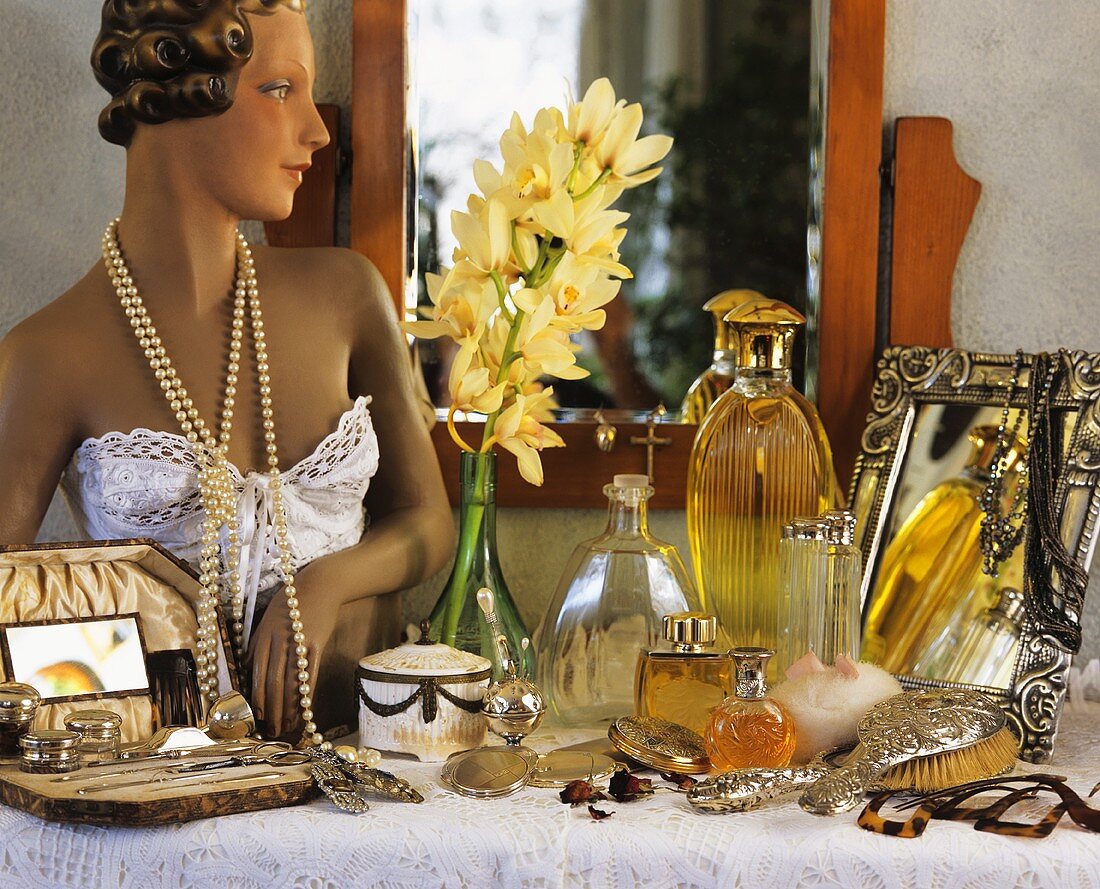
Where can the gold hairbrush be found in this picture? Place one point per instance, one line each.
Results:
(918, 740)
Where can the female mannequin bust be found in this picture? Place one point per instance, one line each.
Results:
(212, 100)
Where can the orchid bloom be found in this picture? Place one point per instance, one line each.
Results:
(577, 291)
(472, 390)
(548, 347)
(518, 431)
(462, 306)
(487, 241)
(589, 118)
(627, 156)
(581, 224)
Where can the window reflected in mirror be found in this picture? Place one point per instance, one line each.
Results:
(728, 80)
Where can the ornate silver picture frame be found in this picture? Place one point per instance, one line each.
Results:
(910, 377)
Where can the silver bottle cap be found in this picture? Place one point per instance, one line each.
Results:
(752, 670)
(842, 526)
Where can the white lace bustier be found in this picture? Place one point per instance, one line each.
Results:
(145, 484)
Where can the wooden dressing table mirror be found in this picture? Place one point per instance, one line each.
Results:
(845, 151)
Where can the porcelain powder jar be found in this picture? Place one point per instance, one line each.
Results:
(423, 699)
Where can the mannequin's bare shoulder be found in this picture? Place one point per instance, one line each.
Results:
(332, 278)
(38, 354)
(39, 401)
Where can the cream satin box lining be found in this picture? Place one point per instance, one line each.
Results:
(102, 578)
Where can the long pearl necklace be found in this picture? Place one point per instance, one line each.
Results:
(216, 487)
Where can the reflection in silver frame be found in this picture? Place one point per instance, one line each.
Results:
(910, 376)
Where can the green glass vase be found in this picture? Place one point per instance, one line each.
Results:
(456, 617)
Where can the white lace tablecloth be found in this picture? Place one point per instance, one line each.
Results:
(531, 839)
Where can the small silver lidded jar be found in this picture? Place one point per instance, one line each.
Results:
(100, 734)
(50, 751)
(18, 706)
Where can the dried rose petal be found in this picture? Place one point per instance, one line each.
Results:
(625, 787)
(598, 814)
(682, 782)
(581, 791)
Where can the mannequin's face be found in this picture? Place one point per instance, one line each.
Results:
(249, 160)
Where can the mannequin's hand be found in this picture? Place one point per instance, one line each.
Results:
(275, 661)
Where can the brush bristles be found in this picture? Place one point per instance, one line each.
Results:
(985, 759)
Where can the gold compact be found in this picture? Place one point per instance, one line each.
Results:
(50, 751)
(660, 744)
(488, 772)
(560, 767)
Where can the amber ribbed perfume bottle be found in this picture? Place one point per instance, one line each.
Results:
(684, 683)
(760, 458)
(932, 560)
(717, 378)
(749, 729)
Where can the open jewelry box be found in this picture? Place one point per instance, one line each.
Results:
(62, 583)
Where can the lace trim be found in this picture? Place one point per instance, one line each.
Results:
(170, 447)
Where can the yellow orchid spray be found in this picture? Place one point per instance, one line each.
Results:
(536, 262)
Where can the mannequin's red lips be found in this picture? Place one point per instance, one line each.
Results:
(296, 172)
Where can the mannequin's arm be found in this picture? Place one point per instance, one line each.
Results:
(35, 435)
(411, 534)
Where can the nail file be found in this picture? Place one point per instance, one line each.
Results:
(165, 779)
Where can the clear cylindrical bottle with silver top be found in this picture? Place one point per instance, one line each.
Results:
(987, 651)
(750, 729)
(803, 550)
(609, 604)
(836, 632)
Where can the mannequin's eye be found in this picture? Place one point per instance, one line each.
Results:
(279, 89)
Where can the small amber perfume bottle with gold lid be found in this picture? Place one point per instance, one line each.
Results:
(683, 684)
(749, 729)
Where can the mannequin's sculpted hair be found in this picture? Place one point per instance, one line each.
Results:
(162, 60)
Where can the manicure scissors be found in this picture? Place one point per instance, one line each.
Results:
(268, 753)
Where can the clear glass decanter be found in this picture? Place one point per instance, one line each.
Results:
(608, 606)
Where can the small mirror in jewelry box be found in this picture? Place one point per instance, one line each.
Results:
(423, 699)
(106, 584)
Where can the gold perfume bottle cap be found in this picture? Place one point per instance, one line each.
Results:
(752, 669)
(660, 744)
(690, 630)
(984, 440)
(721, 305)
(18, 701)
(763, 331)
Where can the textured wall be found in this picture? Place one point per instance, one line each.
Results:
(1018, 80)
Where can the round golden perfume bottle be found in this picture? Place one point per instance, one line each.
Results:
(749, 729)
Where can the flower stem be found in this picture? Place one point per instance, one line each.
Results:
(596, 184)
(472, 517)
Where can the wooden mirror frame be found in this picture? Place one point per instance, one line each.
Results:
(847, 315)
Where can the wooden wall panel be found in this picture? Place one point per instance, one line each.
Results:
(850, 224)
(378, 134)
(934, 201)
